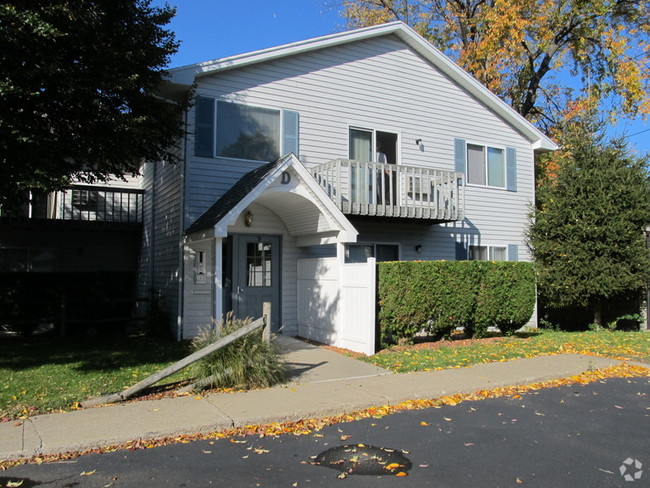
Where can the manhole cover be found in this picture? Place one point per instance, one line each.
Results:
(362, 459)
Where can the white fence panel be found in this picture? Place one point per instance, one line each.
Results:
(358, 307)
(336, 303)
(318, 299)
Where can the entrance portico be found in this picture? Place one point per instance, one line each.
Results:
(245, 248)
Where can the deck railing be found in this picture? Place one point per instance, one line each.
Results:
(391, 190)
(84, 202)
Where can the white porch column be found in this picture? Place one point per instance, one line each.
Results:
(218, 285)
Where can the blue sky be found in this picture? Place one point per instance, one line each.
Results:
(210, 29)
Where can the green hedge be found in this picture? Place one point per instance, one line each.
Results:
(439, 296)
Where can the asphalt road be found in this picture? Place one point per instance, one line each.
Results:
(576, 436)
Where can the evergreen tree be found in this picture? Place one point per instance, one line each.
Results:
(587, 233)
(78, 91)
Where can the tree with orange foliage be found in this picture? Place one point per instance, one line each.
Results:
(517, 48)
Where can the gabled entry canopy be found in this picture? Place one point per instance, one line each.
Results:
(286, 187)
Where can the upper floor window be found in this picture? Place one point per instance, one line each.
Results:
(243, 132)
(486, 166)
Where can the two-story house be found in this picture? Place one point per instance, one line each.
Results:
(305, 160)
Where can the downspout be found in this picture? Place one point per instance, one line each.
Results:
(181, 239)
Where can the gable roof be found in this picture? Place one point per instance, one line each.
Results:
(257, 183)
(245, 185)
(187, 75)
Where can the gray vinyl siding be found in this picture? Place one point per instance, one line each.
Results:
(160, 257)
(378, 84)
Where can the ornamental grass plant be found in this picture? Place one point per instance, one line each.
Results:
(248, 362)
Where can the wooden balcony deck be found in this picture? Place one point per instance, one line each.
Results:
(392, 190)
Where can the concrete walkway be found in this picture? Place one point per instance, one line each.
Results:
(322, 383)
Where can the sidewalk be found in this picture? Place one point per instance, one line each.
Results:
(323, 383)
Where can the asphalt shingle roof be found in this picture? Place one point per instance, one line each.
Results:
(232, 197)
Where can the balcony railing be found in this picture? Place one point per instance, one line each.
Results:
(85, 203)
(391, 190)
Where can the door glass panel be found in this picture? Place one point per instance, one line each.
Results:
(360, 145)
(258, 264)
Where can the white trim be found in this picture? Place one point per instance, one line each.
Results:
(347, 232)
(187, 75)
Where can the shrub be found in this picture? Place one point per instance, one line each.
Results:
(248, 362)
(506, 297)
(439, 296)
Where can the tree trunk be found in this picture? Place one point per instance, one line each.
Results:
(598, 314)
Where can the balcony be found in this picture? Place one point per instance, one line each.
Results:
(390, 190)
(82, 203)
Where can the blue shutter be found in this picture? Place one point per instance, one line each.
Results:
(204, 127)
(460, 155)
(290, 132)
(513, 252)
(511, 168)
(461, 252)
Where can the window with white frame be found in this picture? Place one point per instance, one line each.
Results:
(359, 253)
(488, 253)
(246, 132)
(232, 130)
(486, 166)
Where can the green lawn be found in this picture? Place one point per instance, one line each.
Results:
(47, 374)
(427, 357)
